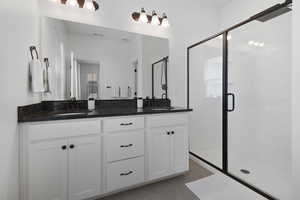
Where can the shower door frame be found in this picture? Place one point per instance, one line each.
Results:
(225, 95)
(166, 60)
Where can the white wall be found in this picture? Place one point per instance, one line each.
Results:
(296, 99)
(19, 30)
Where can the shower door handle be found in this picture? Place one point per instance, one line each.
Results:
(233, 102)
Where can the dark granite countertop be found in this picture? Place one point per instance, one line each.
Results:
(104, 112)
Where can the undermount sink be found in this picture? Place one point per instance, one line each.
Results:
(162, 109)
(72, 113)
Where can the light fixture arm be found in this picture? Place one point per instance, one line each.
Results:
(82, 2)
(136, 16)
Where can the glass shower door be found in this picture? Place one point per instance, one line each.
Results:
(205, 67)
(259, 129)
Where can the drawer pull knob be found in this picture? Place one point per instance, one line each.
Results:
(126, 146)
(168, 133)
(64, 147)
(126, 174)
(172, 132)
(126, 124)
(72, 146)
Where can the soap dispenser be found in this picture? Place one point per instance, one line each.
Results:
(139, 102)
(91, 103)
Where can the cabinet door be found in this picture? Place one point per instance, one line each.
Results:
(47, 170)
(180, 150)
(159, 151)
(84, 167)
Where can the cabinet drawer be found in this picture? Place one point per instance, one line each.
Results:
(63, 129)
(121, 124)
(124, 145)
(167, 120)
(125, 173)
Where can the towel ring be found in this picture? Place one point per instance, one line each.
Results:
(33, 48)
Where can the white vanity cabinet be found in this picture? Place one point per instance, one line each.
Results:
(47, 172)
(167, 141)
(159, 151)
(85, 158)
(84, 167)
(65, 165)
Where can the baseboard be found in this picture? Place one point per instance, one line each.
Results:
(203, 164)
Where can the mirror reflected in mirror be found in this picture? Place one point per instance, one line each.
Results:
(88, 61)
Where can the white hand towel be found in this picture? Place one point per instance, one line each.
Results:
(37, 70)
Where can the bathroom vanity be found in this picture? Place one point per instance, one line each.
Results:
(70, 153)
(93, 155)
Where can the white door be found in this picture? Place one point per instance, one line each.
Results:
(159, 151)
(47, 170)
(84, 167)
(180, 149)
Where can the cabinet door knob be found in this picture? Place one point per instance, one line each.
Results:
(168, 133)
(173, 132)
(72, 146)
(64, 147)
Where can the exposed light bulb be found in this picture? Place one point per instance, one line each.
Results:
(262, 44)
(72, 3)
(251, 43)
(256, 44)
(155, 19)
(89, 5)
(165, 22)
(143, 16)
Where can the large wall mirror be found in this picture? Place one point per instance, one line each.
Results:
(91, 61)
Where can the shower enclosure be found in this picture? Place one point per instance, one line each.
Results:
(160, 79)
(240, 88)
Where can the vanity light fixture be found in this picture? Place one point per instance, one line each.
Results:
(91, 5)
(143, 16)
(73, 3)
(153, 19)
(165, 22)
